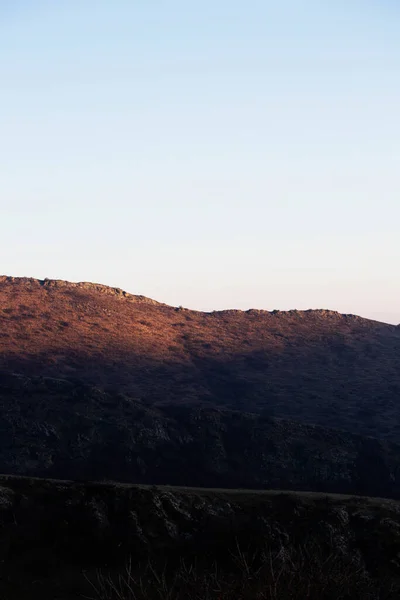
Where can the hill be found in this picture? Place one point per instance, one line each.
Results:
(98, 384)
(57, 534)
(317, 366)
(59, 429)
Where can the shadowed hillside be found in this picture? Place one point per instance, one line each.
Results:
(313, 366)
(55, 428)
(56, 534)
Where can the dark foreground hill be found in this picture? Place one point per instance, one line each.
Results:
(57, 428)
(317, 367)
(55, 536)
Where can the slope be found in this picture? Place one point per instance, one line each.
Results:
(55, 428)
(57, 534)
(319, 366)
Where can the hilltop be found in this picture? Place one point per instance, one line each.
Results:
(316, 366)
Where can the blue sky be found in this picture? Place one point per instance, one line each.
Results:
(214, 154)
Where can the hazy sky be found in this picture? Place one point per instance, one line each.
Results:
(211, 154)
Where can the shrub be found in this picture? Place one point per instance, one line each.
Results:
(295, 574)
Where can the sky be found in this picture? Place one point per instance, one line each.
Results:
(214, 154)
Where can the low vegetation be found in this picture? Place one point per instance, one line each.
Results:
(295, 574)
(64, 541)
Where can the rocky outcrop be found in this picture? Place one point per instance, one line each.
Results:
(59, 284)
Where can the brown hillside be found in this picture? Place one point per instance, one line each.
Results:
(316, 366)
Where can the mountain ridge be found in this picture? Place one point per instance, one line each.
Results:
(312, 366)
(118, 292)
(84, 285)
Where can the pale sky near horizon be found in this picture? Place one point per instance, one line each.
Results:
(213, 154)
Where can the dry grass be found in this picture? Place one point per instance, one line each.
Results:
(304, 573)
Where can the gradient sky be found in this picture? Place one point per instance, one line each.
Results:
(213, 154)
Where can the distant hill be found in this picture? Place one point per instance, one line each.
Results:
(317, 366)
